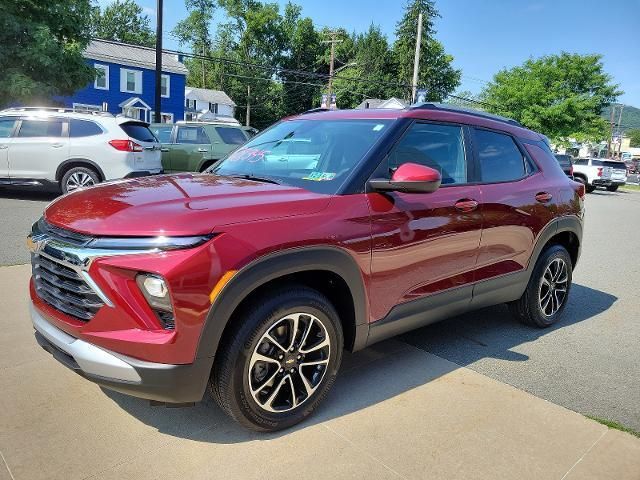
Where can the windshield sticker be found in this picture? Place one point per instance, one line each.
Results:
(320, 176)
(378, 127)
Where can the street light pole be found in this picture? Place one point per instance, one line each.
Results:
(416, 60)
(158, 91)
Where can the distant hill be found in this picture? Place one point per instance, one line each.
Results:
(630, 116)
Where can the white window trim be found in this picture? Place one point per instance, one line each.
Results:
(86, 107)
(123, 80)
(152, 117)
(106, 76)
(168, 77)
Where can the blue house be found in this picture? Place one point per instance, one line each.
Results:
(125, 83)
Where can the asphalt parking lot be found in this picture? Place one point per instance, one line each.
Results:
(589, 363)
(446, 409)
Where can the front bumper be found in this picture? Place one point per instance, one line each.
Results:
(154, 381)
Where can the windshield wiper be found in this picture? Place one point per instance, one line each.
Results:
(257, 178)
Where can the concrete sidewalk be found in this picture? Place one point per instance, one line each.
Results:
(396, 412)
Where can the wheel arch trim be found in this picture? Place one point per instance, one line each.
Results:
(271, 267)
(62, 168)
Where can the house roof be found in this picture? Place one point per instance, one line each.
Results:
(393, 102)
(209, 96)
(132, 55)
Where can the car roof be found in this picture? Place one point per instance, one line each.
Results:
(431, 111)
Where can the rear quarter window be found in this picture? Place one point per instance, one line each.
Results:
(231, 136)
(138, 131)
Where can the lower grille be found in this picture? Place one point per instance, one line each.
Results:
(64, 289)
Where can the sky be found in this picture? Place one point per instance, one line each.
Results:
(485, 36)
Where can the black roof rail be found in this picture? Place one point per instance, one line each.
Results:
(314, 110)
(468, 111)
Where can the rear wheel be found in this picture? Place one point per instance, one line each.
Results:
(545, 298)
(280, 361)
(77, 178)
(589, 188)
(612, 188)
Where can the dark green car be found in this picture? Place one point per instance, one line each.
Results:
(195, 146)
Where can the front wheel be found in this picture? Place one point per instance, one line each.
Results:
(545, 298)
(280, 360)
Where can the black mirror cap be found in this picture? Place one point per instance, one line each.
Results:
(386, 185)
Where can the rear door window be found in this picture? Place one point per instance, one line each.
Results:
(138, 131)
(499, 157)
(41, 128)
(6, 126)
(193, 135)
(83, 128)
(231, 135)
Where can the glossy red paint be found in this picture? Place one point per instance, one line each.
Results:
(405, 245)
(412, 172)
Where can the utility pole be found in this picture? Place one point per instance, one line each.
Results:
(248, 105)
(158, 79)
(203, 77)
(611, 117)
(333, 42)
(620, 130)
(416, 60)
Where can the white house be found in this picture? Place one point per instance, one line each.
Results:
(208, 105)
(393, 103)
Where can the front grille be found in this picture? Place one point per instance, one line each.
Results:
(63, 288)
(58, 233)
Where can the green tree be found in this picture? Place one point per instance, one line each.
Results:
(123, 21)
(561, 96)
(194, 31)
(41, 46)
(436, 72)
(634, 136)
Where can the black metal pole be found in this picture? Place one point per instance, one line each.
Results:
(158, 91)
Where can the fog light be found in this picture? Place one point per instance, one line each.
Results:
(155, 286)
(155, 291)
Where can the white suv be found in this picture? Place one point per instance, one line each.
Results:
(74, 150)
(596, 172)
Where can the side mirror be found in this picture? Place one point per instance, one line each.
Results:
(409, 178)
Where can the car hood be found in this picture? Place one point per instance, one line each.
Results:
(174, 205)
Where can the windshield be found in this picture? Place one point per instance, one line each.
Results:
(313, 154)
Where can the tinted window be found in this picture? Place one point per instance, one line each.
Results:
(83, 128)
(440, 147)
(6, 127)
(162, 133)
(41, 128)
(500, 158)
(606, 163)
(313, 154)
(139, 131)
(232, 136)
(192, 135)
(581, 161)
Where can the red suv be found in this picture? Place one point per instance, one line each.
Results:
(329, 230)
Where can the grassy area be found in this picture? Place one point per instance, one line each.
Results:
(614, 425)
(635, 188)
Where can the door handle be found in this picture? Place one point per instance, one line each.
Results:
(164, 149)
(466, 205)
(203, 150)
(56, 145)
(4, 147)
(543, 197)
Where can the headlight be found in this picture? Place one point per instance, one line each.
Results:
(155, 291)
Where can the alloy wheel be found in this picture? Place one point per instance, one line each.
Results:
(79, 180)
(553, 287)
(289, 362)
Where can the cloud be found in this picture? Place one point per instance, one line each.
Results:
(149, 11)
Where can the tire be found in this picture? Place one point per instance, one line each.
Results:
(245, 386)
(77, 178)
(589, 188)
(532, 308)
(612, 188)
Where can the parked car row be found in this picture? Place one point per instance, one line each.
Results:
(594, 172)
(51, 146)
